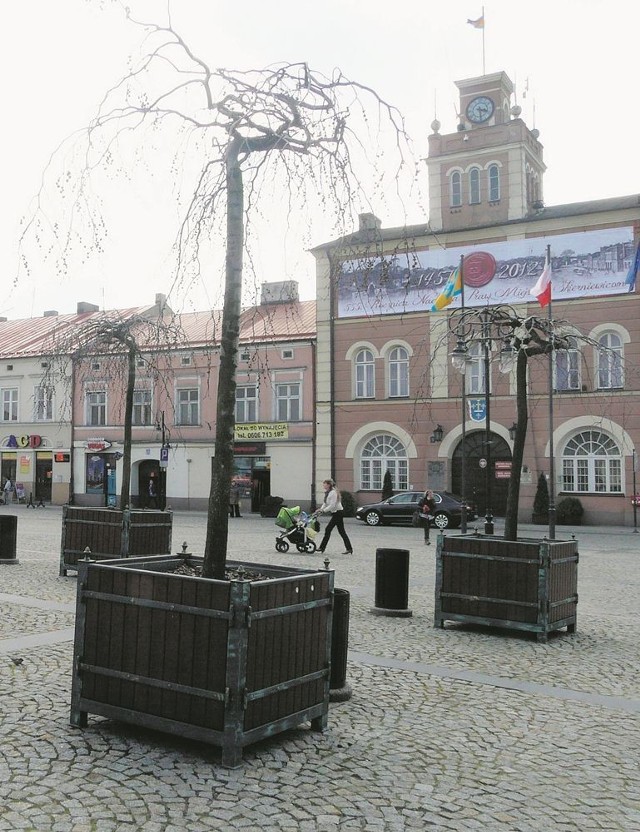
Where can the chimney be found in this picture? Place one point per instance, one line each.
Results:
(368, 222)
(161, 301)
(83, 306)
(283, 291)
(3, 320)
(50, 313)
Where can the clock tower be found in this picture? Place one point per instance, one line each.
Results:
(490, 170)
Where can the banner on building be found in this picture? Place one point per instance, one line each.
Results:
(584, 264)
(262, 430)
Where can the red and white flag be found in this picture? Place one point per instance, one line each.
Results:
(542, 289)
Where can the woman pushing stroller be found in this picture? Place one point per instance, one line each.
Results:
(333, 505)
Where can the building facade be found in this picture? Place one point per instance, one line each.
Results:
(174, 405)
(389, 397)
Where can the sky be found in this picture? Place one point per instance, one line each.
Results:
(574, 64)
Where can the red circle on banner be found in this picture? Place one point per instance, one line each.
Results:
(479, 269)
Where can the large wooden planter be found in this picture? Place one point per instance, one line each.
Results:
(111, 533)
(526, 584)
(228, 662)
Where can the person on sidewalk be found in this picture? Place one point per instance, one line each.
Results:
(234, 500)
(427, 508)
(333, 505)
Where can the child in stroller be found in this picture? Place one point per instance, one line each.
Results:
(298, 527)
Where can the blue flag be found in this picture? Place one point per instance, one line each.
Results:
(633, 271)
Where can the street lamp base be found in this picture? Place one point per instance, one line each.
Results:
(488, 524)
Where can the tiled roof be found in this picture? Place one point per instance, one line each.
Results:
(270, 322)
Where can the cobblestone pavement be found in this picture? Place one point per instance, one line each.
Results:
(455, 729)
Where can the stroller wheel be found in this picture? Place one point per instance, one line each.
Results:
(301, 547)
(310, 547)
(282, 546)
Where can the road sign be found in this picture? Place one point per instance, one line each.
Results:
(164, 457)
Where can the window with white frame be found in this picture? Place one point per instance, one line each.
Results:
(610, 356)
(43, 404)
(364, 374)
(455, 189)
(475, 369)
(141, 407)
(592, 462)
(247, 403)
(567, 367)
(288, 401)
(398, 372)
(188, 399)
(10, 404)
(493, 176)
(474, 186)
(96, 408)
(383, 453)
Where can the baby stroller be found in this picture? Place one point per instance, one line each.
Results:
(298, 528)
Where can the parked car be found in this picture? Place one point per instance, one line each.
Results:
(400, 509)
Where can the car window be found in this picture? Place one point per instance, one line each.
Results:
(402, 498)
(437, 498)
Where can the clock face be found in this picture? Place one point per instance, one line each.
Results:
(480, 109)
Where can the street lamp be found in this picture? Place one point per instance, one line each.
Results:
(483, 327)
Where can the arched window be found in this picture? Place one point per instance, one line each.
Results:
(398, 372)
(365, 375)
(493, 175)
(455, 187)
(610, 361)
(384, 453)
(591, 462)
(474, 186)
(567, 367)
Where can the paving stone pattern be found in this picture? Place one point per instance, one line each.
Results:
(457, 729)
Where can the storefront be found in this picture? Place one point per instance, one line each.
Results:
(39, 475)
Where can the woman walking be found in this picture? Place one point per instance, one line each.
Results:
(333, 505)
(427, 507)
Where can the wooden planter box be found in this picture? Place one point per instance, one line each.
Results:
(228, 662)
(526, 584)
(111, 533)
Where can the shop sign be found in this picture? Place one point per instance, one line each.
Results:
(97, 444)
(32, 440)
(262, 430)
(249, 448)
(61, 457)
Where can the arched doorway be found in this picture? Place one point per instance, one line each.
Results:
(475, 476)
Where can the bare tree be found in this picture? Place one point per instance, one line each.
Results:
(246, 126)
(121, 342)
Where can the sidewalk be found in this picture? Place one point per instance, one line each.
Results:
(455, 729)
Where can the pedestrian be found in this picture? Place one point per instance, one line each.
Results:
(427, 507)
(153, 495)
(8, 491)
(234, 500)
(333, 505)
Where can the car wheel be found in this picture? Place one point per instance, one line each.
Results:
(372, 518)
(441, 520)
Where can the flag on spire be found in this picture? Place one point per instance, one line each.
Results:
(633, 271)
(452, 289)
(542, 289)
(478, 23)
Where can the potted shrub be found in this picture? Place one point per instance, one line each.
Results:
(569, 511)
(541, 501)
(387, 486)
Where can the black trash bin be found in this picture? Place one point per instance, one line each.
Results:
(8, 538)
(339, 690)
(392, 583)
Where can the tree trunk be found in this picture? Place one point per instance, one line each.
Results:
(215, 553)
(125, 488)
(513, 494)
